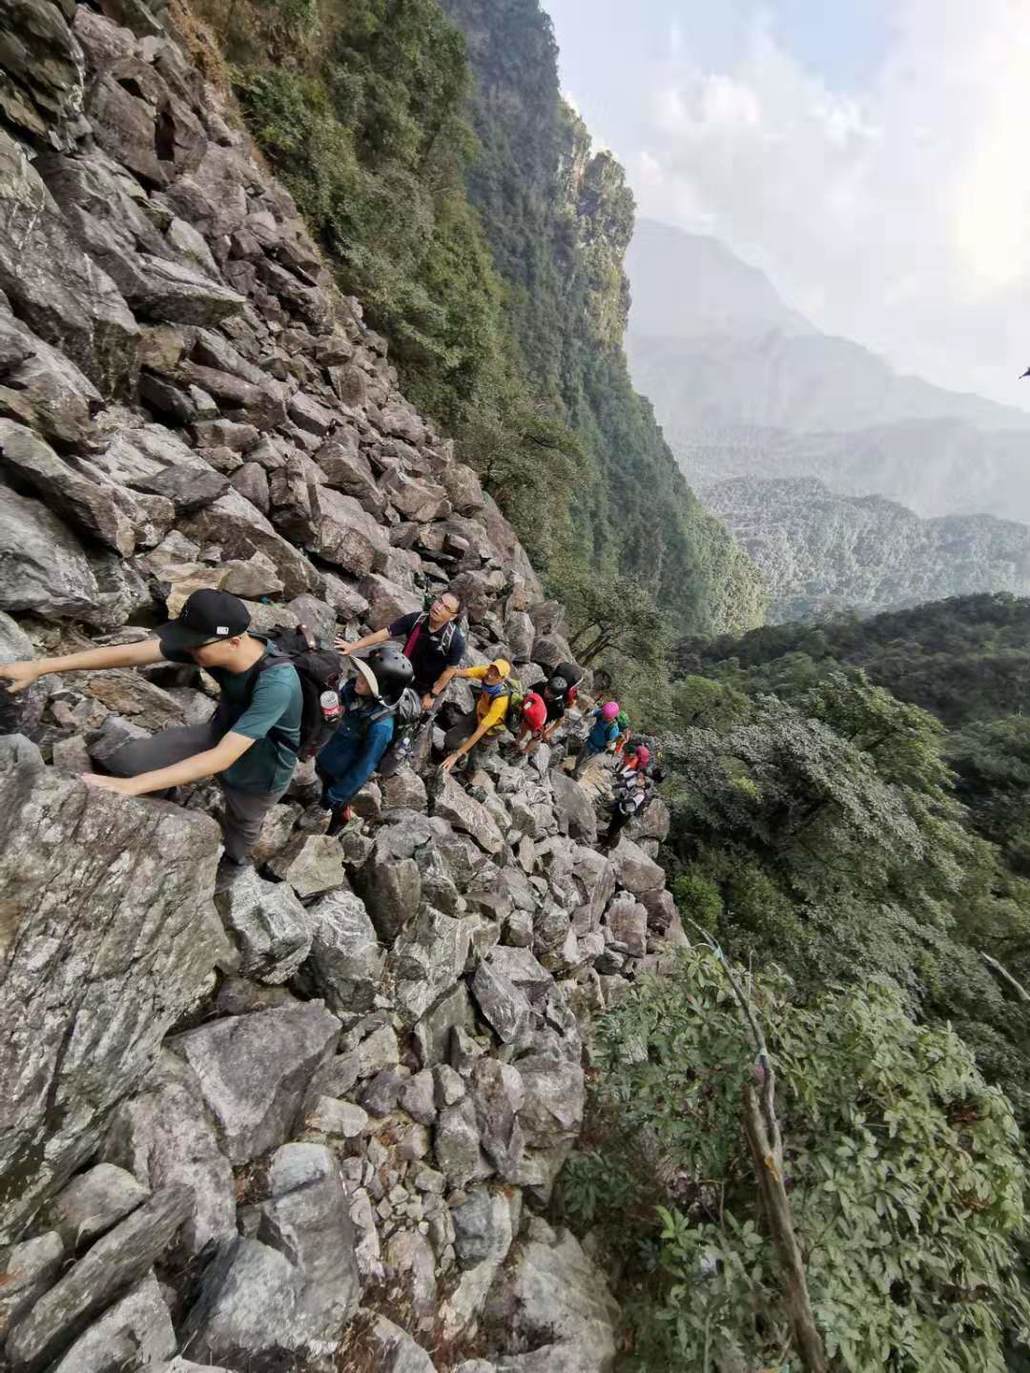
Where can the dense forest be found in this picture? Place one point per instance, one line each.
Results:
(849, 835)
(491, 259)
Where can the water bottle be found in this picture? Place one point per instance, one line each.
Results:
(332, 709)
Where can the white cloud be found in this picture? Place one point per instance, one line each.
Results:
(898, 214)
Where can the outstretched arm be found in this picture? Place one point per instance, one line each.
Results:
(369, 641)
(17, 676)
(207, 764)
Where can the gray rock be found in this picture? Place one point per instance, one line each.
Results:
(498, 1094)
(386, 600)
(418, 1098)
(557, 1303)
(46, 570)
(135, 1332)
(164, 1136)
(626, 920)
(240, 530)
(312, 864)
(158, 289)
(187, 488)
(53, 286)
(19, 714)
(246, 1313)
(29, 1269)
(502, 1004)
(381, 1095)
(114, 1263)
(270, 927)
(404, 790)
(187, 1366)
(455, 805)
(93, 1202)
(637, 872)
(311, 1226)
(482, 1228)
(434, 1032)
(87, 1002)
(341, 1119)
(521, 967)
(463, 488)
(43, 389)
(253, 1071)
(296, 1165)
(456, 1144)
(345, 967)
(28, 462)
(574, 808)
(552, 1112)
(392, 890)
(395, 1351)
(426, 960)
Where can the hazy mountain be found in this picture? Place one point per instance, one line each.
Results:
(743, 385)
(823, 553)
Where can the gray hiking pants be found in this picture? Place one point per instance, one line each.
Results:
(244, 810)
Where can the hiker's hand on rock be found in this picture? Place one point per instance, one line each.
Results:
(343, 646)
(428, 700)
(448, 763)
(15, 677)
(125, 785)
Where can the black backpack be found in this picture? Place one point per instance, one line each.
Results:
(407, 715)
(321, 672)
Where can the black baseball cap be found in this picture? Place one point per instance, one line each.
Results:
(206, 617)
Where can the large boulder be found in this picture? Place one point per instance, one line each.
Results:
(426, 960)
(346, 963)
(288, 1293)
(636, 871)
(164, 1136)
(254, 1069)
(114, 1263)
(46, 570)
(240, 530)
(136, 1331)
(93, 1202)
(270, 926)
(554, 1301)
(465, 813)
(108, 937)
(574, 808)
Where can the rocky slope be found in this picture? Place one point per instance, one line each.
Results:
(824, 554)
(310, 1122)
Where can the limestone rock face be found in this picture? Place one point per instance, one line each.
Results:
(108, 936)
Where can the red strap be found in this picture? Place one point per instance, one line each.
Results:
(413, 636)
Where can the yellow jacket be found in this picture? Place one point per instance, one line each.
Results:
(490, 710)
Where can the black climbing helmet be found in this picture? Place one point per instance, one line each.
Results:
(393, 672)
(557, 685)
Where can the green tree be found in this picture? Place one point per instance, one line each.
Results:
(904, 1172)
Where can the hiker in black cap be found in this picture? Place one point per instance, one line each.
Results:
(249, 744)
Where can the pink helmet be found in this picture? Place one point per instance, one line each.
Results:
(643, 754)
(609, 710)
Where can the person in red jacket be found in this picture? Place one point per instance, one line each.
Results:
(534, 718)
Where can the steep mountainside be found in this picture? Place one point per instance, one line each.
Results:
(505, 320)
(298, 1122)
(822, 554)
(745, 388)
(559, 218)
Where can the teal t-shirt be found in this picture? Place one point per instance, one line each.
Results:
(275, 705)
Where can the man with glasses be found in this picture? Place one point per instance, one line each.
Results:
(432, 641)
(250, 743)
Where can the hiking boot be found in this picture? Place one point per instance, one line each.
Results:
(339, 817)
(229, 871)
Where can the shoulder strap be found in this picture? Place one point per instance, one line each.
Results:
(413, 637)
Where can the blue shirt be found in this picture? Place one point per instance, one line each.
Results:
(604, 732)
(355, 750)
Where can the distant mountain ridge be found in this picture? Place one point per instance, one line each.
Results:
(824, 554)
(744, 386)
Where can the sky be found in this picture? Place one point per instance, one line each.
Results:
(870, 155)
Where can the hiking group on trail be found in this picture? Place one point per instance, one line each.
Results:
(283, 700)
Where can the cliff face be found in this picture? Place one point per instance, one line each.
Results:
(307, 1122)
(559, 219)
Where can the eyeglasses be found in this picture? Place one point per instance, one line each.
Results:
(444, 608)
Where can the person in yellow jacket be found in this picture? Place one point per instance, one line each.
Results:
(490, 713)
